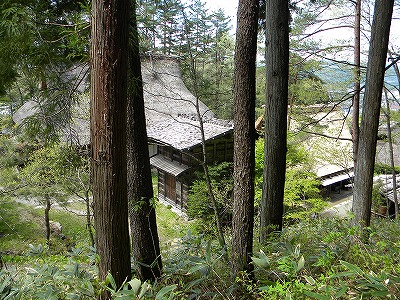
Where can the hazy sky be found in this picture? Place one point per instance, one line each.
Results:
(229, 6)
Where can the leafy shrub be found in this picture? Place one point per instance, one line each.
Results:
(302, 198)
(326, 259)
(380, 168)
(199, 266)
(49, 280)
(199, 206)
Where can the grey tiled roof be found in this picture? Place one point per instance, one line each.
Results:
(184, 133)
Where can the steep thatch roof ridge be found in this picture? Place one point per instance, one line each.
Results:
(170, 108)
(165, 94)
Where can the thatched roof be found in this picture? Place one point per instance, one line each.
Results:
(171, 113)
(165, 94)
(170, 108)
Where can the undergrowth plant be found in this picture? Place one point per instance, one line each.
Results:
(326, 259)
(315, 259)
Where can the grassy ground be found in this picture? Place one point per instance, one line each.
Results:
(21, 225)
(170, 225)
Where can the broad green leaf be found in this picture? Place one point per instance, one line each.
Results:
(110, 280)
(309, 279)
(165, 290)
(342, 274)
(317, 296)
(135, 285)
(353, 268)
(143, 290)
(300, 264)
(261, 261)
(193, 283)
(199, 267)
(380, 293)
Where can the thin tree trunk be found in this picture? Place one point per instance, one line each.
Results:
(109, 61)
(356, 97)
(391, 155)
(291, 102)
(363, 182)
(204, 165)
(395, 67)
(47, 219)
(88, 219)
(275, 134)
(244, 137)
(144, 235)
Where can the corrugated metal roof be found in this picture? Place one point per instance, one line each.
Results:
(337, 178)
(171, 167)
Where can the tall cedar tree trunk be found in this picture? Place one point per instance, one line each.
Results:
(356, 98)
(275, 134)
(391, 155)
(109, 66)
(244, 136)
(364, 170)
(145, 242)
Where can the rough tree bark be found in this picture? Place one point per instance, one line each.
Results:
(244, 136)
(109, 61)
(145, 241)
(275, 134)
(357, 63)
(363, 181)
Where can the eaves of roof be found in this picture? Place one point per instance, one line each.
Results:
(171, 167)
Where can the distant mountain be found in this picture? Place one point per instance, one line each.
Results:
(333, 74)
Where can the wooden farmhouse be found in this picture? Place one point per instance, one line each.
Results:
(172, 122)
(173, 130)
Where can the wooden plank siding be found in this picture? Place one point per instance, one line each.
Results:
(175, 189)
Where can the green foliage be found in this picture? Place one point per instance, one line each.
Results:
(309, 91)
(50, 172)
(302, 198)
(325, 259)
(71, 280)
(198, 265)
(318, 259)
(380, 168)
(199, 205)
